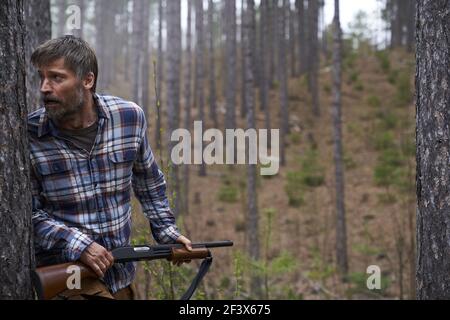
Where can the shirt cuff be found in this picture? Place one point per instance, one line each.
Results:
(169, 235)
(76, 246)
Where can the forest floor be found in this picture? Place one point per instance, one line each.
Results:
(298, 240)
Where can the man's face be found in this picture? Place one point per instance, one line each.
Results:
(62, 92)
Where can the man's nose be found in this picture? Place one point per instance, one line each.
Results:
(45, 87)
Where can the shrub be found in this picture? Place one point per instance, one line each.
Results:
(374, 101)
(228, 193)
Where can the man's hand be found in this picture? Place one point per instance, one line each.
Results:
(97, 258)
(188, 246)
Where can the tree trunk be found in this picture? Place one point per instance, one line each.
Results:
(253, 240)
(433, 153)
(230, 47)
(212, 67)
(187, 94)
(199, 73)
(16, 242)
(173, 89)
(301, 36)
(282, 78)
(159, 73)
(313, 55)
(39, 30)
(243, 67)
(292, 39)
(341, 229)
(264, 82)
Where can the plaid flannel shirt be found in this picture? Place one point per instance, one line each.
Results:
(80, 197)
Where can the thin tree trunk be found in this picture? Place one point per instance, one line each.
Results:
(264, 82)
(187, 93)
(313, 55)
(301, 36)
(212, 67)
(282, 78)
(243, 67)
(16, 239)
(159, 72)
(230, 47)
(173, 88)
(253, 241)
(433, 153)
(199, 70)
(341, 229)
(292, 40)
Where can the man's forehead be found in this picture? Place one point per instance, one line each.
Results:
(56, 65)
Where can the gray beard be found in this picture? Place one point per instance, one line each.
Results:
(66, 110)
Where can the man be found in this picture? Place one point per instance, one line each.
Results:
(87, 153)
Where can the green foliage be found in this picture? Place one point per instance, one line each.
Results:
(359, 86)
(294, 189)
(366, 249)
(228, 193)
(353, 78)
(388, 120)
(312, 174)
(374, 101)
(296, 138)
(403, 95)
(383, 59)
(320, 270)
(383, 140)
(387, 171)
(358, 281)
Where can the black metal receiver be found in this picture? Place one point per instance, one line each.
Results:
(146, 253)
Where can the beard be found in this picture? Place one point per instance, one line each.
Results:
(58, 110)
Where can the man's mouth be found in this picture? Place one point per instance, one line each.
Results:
(51, 103)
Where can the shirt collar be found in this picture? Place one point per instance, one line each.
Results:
(46, 125)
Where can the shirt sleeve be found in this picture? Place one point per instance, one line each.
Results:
(149, 187)
(51, 235)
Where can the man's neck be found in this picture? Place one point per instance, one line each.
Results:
(85, 118)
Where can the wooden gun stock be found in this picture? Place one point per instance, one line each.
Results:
(52, 280)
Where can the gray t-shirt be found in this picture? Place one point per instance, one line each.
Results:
(82, 138)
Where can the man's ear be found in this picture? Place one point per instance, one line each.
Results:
(89, 81)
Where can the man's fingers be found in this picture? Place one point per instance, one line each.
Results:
(110, 258)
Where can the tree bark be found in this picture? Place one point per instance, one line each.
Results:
(39, 30)
(187, 94)
(313, 55)
(433, 149)
(282, 78)
(16, 242)
(173, 89)
(301, 36)
(199, 69)
(341, 228)
(212, 67)
(230, 48)
(253, 231)
(159, 73)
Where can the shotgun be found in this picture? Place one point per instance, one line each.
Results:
(50, 281)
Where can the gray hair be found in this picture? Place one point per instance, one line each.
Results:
(77, 53)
